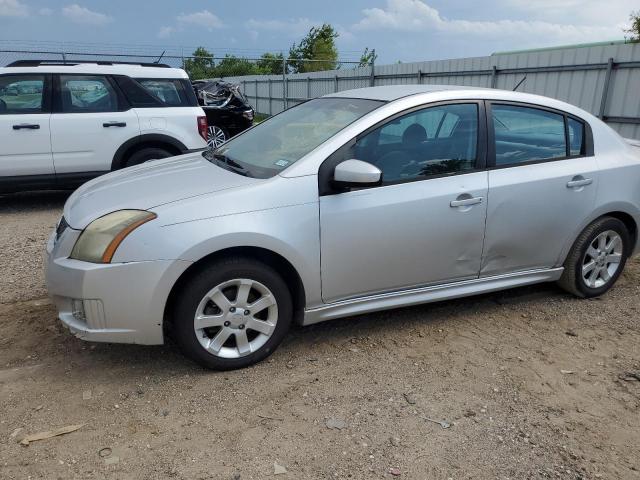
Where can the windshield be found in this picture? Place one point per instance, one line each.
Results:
(282, 140)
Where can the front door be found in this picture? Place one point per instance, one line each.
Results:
(425, 223)
(25, 141)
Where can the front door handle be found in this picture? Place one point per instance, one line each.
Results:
(26, 126)
(465, 202)
(114, 124)
(579, 181)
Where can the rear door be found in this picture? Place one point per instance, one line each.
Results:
(91, 119)
(25, 144)
(543, 180)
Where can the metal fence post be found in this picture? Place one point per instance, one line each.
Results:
(284, 83)
(335, 83)
(256, 94)
(308, 87)
(419, 77)
(605, 89)
(270, 112)
(494, 77)
(372, 81)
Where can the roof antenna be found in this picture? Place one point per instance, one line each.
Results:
(519, 83)
(160, 57)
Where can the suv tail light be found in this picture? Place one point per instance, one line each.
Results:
(203, 127)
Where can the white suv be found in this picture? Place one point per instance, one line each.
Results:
(64, 123)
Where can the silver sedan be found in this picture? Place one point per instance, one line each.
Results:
(355, 202)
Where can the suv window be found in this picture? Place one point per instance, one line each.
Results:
(170, 92)
(440, 140)
(525, 134)
(87, 93)
(21, 94)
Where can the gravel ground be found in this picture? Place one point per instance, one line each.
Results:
(532, 383)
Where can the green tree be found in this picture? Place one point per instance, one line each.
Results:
(270, 64)
(232, 66)
(318, 45)
(368, 57)
(201, 65)
(634, 30)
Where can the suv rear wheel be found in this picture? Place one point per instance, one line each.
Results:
(597, 258)
(145, 155)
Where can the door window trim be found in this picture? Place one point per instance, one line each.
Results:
(46, 92)
(326, 168)
(123, 103)
(587, 134)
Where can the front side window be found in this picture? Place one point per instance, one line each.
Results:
(525, 134)
(21, 94)
(440, 140)
(87, 93)
(279, 142)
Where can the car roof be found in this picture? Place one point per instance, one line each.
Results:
(389, 93)
(135, 71)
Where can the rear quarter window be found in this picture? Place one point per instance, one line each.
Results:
(158, 92)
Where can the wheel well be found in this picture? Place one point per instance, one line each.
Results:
(121, 162)
(276, 261)
(629, 222)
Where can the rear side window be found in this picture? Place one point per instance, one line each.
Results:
(576, 137)
(87, 93)
(525, 134)
(169, 92)
(21, 94)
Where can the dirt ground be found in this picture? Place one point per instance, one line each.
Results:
(533, 383)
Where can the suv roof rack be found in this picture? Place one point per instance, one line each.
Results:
(70, 63)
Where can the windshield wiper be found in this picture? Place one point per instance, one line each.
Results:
(232, 165)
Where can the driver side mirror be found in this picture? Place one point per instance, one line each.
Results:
(356, 173)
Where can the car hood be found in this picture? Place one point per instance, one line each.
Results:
(149, 185)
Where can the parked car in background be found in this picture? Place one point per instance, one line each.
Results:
(64, 123)
(358, 201)
(228, 110)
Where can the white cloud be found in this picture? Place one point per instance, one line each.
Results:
(84, 16)
(12, 8)
(46, 12)
(202, 19)
(166, 32)
(295, 27)
(417, 16)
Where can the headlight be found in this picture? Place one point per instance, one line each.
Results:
(101, 238)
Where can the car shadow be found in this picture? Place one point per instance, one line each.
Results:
(33, 201)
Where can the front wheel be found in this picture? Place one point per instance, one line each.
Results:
(232, 314)
(597, 258)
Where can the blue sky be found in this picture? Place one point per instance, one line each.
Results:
(406, 30)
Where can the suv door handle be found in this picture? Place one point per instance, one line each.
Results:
(579, 181)
(26, 126)
(114, 124)
(465, 202)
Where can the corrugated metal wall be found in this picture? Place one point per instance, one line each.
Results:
(577, 75)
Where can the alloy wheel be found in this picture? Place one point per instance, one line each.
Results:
(216, 137)
(602, 259)
(236, 318)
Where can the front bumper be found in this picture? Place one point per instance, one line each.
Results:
(120, 302)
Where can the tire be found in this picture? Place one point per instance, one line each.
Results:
(228, 339)
(586, 262)
(145, 155)
(216, 136)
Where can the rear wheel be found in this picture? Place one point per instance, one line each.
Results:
(145, 155)
(232, 314)
(597, 258)
(216, 136)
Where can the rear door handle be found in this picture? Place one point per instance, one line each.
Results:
(26, 126)
(465, 202)
(114, 124)
(579, 182)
